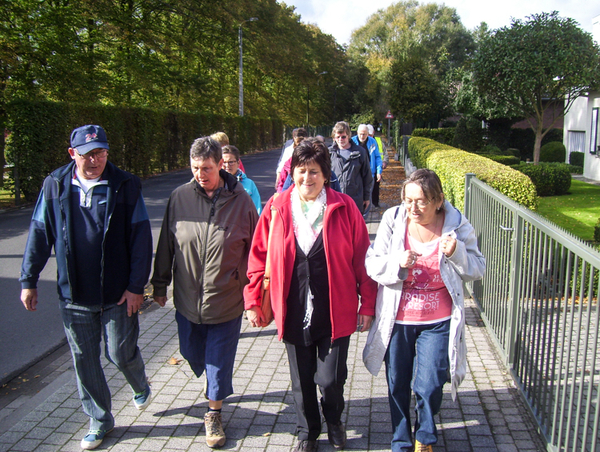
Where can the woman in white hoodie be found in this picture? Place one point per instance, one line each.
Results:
(424, 250)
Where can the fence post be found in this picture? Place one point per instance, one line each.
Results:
(514, 287)
(468, 178)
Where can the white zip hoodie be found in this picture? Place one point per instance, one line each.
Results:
(383, 265)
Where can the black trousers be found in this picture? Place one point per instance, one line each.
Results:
(375, 192)
(321, 364)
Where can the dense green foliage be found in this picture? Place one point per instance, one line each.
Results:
(524, 140)
(504, 159)
(176, 55)
(444, 135)
(576, 158)
(452, 164)
(535, 66)
(141, 141)
(550, 179)
(428, 39)
(469, 135)
(554, 151)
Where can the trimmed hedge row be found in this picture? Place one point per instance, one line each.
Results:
(142, 141)
(444, 135)
(550, 179)
(451, 165)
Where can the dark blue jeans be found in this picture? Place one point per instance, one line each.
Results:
(417, 354)
(84, 327)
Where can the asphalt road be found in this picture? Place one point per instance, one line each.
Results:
(27, 337)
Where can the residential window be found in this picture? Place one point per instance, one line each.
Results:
(576, 141)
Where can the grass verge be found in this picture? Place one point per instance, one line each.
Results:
(578, 211)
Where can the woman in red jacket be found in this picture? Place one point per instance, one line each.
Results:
(317, 251)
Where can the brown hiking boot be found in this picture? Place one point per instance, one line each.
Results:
(213, 424)
(423, 447)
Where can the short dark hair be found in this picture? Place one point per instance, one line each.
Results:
(299, 132)
(204, 148)
(429, 182)
(231, 149)
(312, 150)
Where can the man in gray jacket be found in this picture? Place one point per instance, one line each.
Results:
(203, 247)
(352, 166)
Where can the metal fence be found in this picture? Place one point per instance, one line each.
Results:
(539, 300)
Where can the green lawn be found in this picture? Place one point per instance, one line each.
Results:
(578, 211)
(6, 199)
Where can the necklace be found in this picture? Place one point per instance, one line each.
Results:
(432, 234)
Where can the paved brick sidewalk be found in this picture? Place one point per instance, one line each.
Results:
(487, 416)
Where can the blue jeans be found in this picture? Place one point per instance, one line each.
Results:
(211, 347)
(84, 327)
(417, 353)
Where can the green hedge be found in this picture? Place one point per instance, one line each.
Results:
(577, 158)
(553, 152)
(550, 179)
(444, 135)
(451, 165)
(504, 159)
(141, 141)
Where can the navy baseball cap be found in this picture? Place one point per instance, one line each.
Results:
(88, 138)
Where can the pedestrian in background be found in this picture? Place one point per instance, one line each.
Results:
(351, 165)
(318, 239)
(424, 251)
(231, 164)
(93, 215)
(203, 248)
(369, 144)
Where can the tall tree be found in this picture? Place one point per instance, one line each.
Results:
(403, 33)
(536, 67)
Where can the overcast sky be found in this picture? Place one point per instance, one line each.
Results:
(340, 17)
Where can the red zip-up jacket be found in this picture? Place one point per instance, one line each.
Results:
(346, 240)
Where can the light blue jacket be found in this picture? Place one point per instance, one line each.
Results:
(374, 154)
(250, 188)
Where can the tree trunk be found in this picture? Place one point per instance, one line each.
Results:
(538, 141)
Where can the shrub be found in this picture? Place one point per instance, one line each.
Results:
(576, 158)
(444, 135)
(452, 164)
(524, 140)
(469, 135)
(491, 150)
(504, 159)
(553, 152)
(513, 151)
(550, 179)
(597, 231)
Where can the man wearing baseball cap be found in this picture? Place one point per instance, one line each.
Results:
(93, 215)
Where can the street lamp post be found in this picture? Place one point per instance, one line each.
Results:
(241, 84)
(308, 101)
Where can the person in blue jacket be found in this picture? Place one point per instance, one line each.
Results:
(363, 139)
(231, 162)
(93, 215)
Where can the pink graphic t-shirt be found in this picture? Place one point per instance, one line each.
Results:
(425, 298)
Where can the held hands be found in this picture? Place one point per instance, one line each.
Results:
(255, 317)
(364, 323)
(408, 259)
(447, 245)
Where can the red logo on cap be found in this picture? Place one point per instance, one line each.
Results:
(90, 137)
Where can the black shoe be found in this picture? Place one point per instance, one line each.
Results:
(306, 446)
(337, 435)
